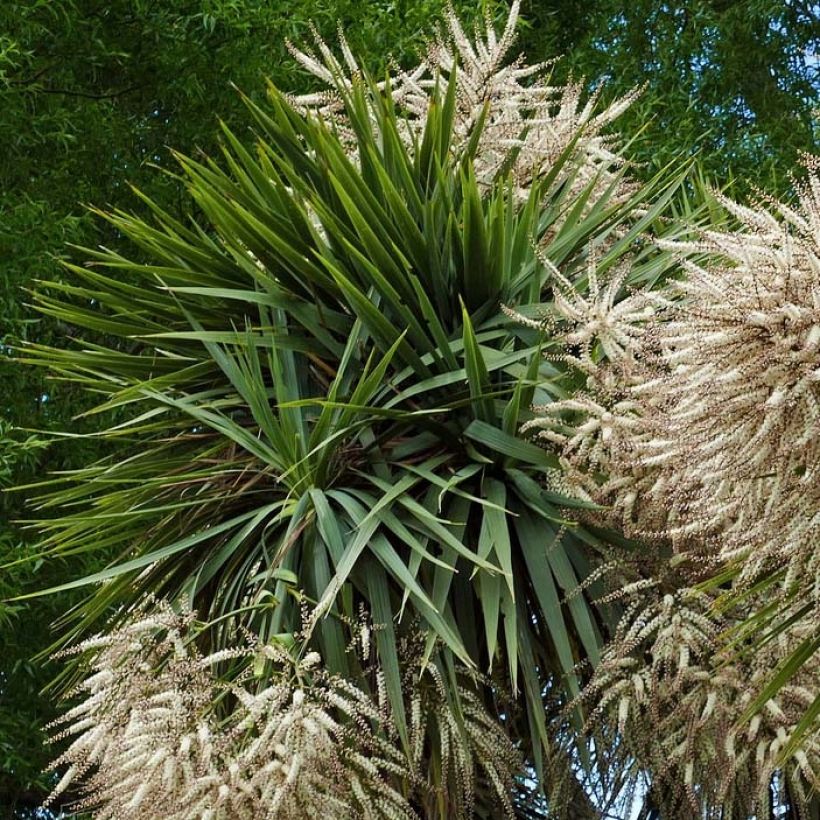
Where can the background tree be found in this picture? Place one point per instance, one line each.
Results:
(735, 81)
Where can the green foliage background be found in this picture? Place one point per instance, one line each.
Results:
(735, 81)
(92, 93)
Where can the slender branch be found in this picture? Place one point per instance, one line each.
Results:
(91, 96)
(34, 77)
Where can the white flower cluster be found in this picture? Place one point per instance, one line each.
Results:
(473, 749)
(701, 420)
(698, 429)
(676, 698)
(527, 124)
(148, 742)
(600, 430)
(158, 734)
(740, 399)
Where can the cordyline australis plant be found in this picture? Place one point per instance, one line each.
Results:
(698, 430)
(316, 398)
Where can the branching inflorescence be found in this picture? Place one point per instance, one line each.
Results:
(149, 742)
(160, 732)
(678, 697)
(697, 431)
(524, 124)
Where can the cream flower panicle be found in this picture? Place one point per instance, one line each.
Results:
(698, 429)
(676, 697)
(147, 741)
(163, 732)
(527, 123)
